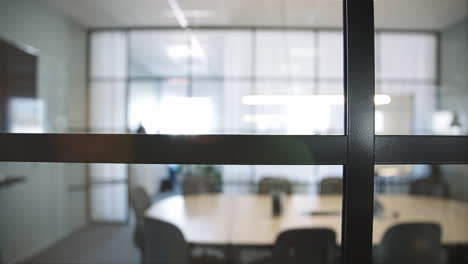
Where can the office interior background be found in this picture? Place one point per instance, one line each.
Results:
(270, 67)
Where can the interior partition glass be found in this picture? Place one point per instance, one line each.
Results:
(421, 214)
(229, 81)
(222, 213)
(421, 61)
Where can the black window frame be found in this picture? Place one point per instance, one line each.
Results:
(358, 150)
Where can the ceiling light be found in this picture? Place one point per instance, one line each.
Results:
(382, 99)
(179, 15)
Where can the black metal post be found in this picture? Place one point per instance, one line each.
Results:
(359, 170)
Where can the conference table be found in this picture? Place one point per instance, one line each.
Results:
(247, 220)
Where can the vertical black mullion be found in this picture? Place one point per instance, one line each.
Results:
(127, 103)
(359, 170)
(89, 35)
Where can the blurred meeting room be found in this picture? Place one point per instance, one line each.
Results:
(234, 131)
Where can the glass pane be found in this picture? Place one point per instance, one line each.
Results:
(330, 55)
(108, 203)
(285, 54)
(159, 53)
(108, 54)
(77, 76)
(80, 213)
(107, 107)
(421, 61)
(222, 53)
(421, 214)
(158, 106)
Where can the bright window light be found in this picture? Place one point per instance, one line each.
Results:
(301, 53)
(186, 115)
(197, 50)
(176, 52)
(144, 113)
(183, 51)
(293, 120)
(304, 99)
(26, 115)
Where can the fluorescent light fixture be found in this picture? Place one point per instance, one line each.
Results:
(179, 15)
(380, 99)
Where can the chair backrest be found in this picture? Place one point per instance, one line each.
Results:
(300, 246)
(268, 185)
(331, 186)
(411, 243)
(431, 187)
(164, 243)
(140, 201)
(198, 184)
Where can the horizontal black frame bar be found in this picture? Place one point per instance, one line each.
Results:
(421, 150)
(225, 149)
(169, 149)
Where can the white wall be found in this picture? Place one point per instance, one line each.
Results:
(454, 95)
(42, 210)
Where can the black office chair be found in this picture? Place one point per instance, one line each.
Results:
(304, 246)
(415, 243)
(140, 202)
(267, 185)
(331, 186)
(198, 184)
(164, 243)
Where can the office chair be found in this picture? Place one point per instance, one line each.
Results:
(140, 202)
(415, 243)
(164, 243)
(304, 246)
(268, 185)
(331, 186)
(198, 184)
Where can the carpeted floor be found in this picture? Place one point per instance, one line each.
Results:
(99, 243)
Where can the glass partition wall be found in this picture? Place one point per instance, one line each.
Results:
(285, 94)
(256, 81)
(218, 81)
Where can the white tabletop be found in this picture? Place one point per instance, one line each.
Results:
(222, 219)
